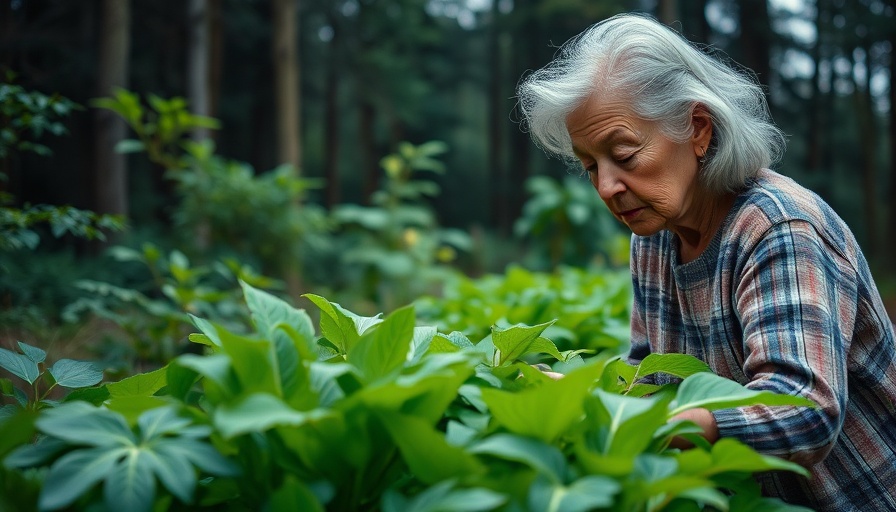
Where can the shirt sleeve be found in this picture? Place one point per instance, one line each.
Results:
(639, 348)
(796, 299)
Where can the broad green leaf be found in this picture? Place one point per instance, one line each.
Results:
(729, 454)
(253, 362)
(130, 485)
(385, 348)
(207, 328)
(515, 341)
(142, 384)
(295, 495)
(426, 392)
(16, 428)
(200, 454)
(547, 460)
(335, 325)
(19, 365)
(588, 493)
(76, 472)
(33, 353)
(423, 337)
(678, 365)
(441, 344)
(270, 313)
(709, 391)
(131, 407)
(215, 367)
(160, 421)
(291, 332)
(443, 497)
(80, 423)
(426, 452)
(37, 454)
(625, 424)
(174, 470)
(257, 413)
(76, 374)
(537, 411)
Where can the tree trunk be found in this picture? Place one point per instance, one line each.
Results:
(216, 56)
(367, 141)
(286, 82)
(864, 111)
(110, 185)
(198, 54)
(755, 38)
(331, 122)
(817, 116)
(890, 235)
(667, 11)
(496, 114)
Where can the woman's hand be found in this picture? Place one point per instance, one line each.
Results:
(545, 369)
(704, 419)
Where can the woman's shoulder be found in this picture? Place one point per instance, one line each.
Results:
(772, 199)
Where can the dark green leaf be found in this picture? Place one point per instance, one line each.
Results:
(543, 458)
(19, 365)
(76, 374)
(76, 472)
(709, 391)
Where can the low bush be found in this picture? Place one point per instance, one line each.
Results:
(380, 413)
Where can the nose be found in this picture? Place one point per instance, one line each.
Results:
(607, 183)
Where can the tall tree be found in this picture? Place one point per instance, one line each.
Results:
(110, 178)
(286, 82)
(198, 61)
(756, 38)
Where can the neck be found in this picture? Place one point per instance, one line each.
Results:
(697, 230)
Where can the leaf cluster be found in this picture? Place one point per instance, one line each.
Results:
(591, 308)
(381, 413)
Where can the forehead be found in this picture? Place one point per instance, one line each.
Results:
(601, 119)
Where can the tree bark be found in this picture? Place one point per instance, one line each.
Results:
(890, 236)
(496, 114)
(198, 62)
(864, 111)
(755, 38)
(216, 56)
(110, 185)
(667, 11)
(331, 122)
(286, 82)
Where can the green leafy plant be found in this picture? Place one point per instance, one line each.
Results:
(223, 205)
(155, 318)
(395, 248)
(590, 308)
(381, 413)
(565, 222)
(25, 117)
(29, 365)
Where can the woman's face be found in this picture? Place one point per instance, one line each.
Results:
(648, 181)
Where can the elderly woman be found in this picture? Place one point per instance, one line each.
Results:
(731, 262)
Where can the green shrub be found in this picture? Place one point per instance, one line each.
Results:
(591, 306)
(380, 413)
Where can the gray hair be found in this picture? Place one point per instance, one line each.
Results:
(664, 76)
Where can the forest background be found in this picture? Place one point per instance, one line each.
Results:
(312, 96)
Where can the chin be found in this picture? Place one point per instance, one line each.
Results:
(644, 229)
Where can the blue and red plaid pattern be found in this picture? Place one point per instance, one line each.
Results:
(783, 300)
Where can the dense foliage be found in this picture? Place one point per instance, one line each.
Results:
(374, 413)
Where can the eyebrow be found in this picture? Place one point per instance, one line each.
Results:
(615, 133)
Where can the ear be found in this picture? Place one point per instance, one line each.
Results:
(701, 122)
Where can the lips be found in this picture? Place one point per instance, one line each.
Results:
(630, 214)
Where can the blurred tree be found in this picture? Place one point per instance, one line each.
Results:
(198, 62)
(286, 82)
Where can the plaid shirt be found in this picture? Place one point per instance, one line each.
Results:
(783, 300)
